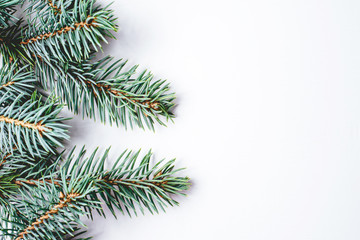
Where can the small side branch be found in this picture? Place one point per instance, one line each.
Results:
(38, 126)
(35, 182)
(137, 182)
(64, 202)
(124, 182)
(63, 30)
(107, 89)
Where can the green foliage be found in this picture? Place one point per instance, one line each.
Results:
(31, 125)
(106, 89)
(6, 11)
(84, 184)
(7, 188)
(15, 81)
(10, 48)
(24, 165)
(48, 212)
(45, 8)
(68, 35)
(43, 194)
(130, 182)
(59, 42)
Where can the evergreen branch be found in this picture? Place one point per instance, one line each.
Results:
(65, 201)
(10, 216)
(7, 215)
(67, 36)
(117, 95)
(126, 186)
(16, 166)
(33, 125)
(23, 165)
(39, 199)
(15, 81)
(43, 6)
(88, 23)
(49, 212)
(38, 126)
(48, 8)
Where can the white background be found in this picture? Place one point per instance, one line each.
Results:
(267, 120)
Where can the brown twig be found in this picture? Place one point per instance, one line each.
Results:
(38, 126)
(59, 32)
(35, 182)
(138, 182)
(56, 8)
(6, 85)
(63, 203)
(107, 89)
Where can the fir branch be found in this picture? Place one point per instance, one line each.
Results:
(15, 81)
(44, 9)
(39, 199)
(16, 165)
(38, 126)
(49, 212)
(32, 125)
(104, 86)
(65, 201)
(68, 36)
(88, 23)
(43, 5)
(125, 186)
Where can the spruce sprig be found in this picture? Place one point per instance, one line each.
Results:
(107, 90)
(82, 185)
(15, 81)
(48, 212)
(31, 125)
(69, 35)
(43, 193)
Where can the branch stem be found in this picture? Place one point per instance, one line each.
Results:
(63, 30)
(64, 202)
(6, 85)
(36, 126)
(56, 8)
(107, 89)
